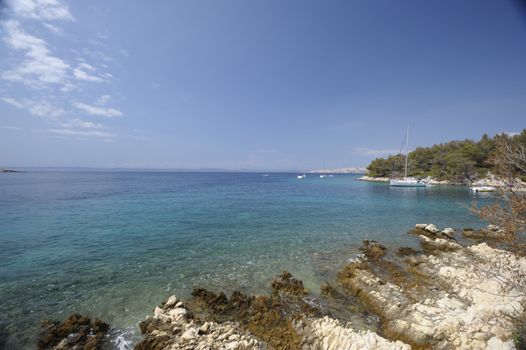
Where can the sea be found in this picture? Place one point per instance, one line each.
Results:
(114, 244)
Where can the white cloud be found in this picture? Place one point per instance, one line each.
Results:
(82, 75)
(101, 111)
(70, 132)
(53, 28)
(39, 66)
(86, 72)
(10, 127)
(82, 124)
(13, 102)
(45, 109)
(48, 10)
(101, 101)
(38, 108)
(511, 134)
(375, 152)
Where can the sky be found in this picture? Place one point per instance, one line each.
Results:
(258, 85)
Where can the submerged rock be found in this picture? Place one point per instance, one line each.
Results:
(373, 250)
(76, 332)
(285, 283)
(406, 251)
(484, 234)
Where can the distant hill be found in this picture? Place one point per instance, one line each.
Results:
(457, 161)
(351, 170)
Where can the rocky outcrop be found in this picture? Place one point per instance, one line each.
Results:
(431, 231)
(448, 232)
(173, 326)
(76, 332)
(450, 297)
(373, 179)
(287, 319)
(328, 334)
(490, 233)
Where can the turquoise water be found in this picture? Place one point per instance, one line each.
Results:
(114, 244)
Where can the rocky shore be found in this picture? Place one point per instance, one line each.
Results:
(445, 295)
(428, 180)
(491, 180)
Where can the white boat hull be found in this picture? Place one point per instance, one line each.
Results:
(482, 188)
(407, 183)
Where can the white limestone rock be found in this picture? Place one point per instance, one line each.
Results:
(473, 294)
(328, 334)
(432, 229)
(448, 232)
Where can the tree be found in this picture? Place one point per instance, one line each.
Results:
(509, 165)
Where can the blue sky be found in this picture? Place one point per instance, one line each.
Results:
(253, 84)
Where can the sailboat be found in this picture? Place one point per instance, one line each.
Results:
(406, 181)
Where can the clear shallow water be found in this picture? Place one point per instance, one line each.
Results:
(114, 244)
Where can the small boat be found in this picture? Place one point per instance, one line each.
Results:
(478, 189)
(407, 181)
(301, 176)
(322, 176)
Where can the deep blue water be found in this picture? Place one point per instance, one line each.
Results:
(114, 244)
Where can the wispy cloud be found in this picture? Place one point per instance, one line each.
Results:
(46, 10)
(13, 102)
(38, 108)
(79, 123)
(84, 72)
(375, 152)
(39, 65)
(53, 28)
(70, 132)
(100, 111)
(10, 127)
(103, 100)
(49, 80)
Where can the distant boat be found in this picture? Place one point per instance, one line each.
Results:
(477, 189)
(407, 181)
(322, 176)
(301, 176)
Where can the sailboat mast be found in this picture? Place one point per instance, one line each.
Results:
(406, 150)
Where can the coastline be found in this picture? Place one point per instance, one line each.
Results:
(430, 181)
(442, 295)
(489, 181)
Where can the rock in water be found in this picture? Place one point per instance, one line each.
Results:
(432, 229)
(493, 228)
(76, 332)
(171, 328)
(448, 232)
